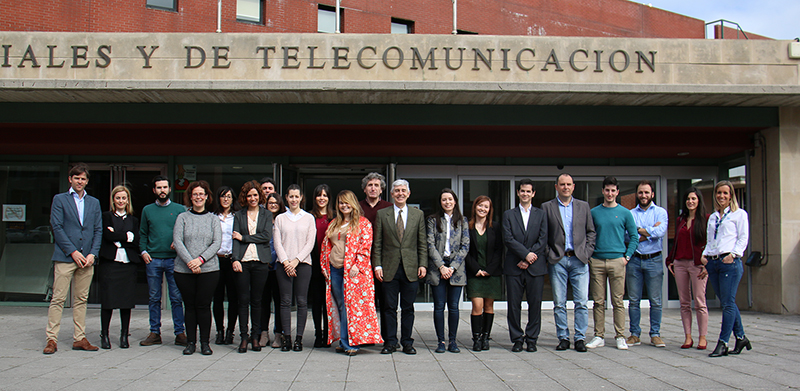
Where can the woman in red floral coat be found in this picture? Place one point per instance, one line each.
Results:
(345, 262)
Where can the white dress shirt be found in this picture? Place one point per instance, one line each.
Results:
(727, 233)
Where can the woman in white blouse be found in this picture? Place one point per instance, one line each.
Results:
(224, 207)
(295, 234)
(728, 230)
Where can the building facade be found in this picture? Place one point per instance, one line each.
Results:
(590, 88)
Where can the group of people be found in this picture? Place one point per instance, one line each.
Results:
(357, 261)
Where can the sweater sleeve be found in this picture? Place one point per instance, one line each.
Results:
(178, 238)
(307, 243)
(277, 237)
(216, 238)
(630, 226)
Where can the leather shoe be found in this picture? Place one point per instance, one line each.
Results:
(256, 344)
(440, 348)
(740, 345)
(720, 350)
(388, 349)
(181, 339)
(531, 347)
(563, 344)
(152, 339)
(517, 347)
(580, 346)
(205, 349)
(452, 347)
(688, 345)
(51, 347)
(84, 345)
(190, 348)
(105, 342)
(409, 349)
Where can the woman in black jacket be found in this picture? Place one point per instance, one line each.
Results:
(484, 268)
(252, 231)
(119, 255)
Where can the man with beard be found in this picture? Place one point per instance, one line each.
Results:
(646, 267)
(158, 253)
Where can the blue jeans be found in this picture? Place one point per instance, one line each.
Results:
(444, 293)
(574, 271)
(337, 291)
(640, 273)
(157, 268)
(725, 277)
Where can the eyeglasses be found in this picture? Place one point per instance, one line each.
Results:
(198, 195)
(272, 203)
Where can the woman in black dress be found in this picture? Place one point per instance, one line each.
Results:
(119, 254)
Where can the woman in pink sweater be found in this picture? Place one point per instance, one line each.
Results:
(294, 236)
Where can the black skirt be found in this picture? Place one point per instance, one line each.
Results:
(117, 284)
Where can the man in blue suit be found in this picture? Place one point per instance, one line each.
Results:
(77, 231)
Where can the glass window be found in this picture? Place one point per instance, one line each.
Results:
(163, 4)
(26, 240)
(326, 20)
(400, 26)
(249, 10)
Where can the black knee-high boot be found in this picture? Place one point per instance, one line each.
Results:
(488, 321)
(476, 321)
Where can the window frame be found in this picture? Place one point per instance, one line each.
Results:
(261, 18)
(160, 7)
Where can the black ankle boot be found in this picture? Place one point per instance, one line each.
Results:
(740, 345)
(105, 342)
(318, 342)
(488, 321)
(123, 338)
(298, 344)
(286, 342)
(220, 337)
(229, 337)
(243, 344)
(476, 323)
(190, 348)
(256, 344)
(205, 349)
(720, 350)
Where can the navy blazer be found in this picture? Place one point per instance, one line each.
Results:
(68, 233)
(520, 241)
(494, 252)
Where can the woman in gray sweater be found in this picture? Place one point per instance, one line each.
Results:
(197, 238)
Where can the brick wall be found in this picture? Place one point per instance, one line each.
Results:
(601, 18)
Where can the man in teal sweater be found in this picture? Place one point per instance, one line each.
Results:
(611, 253)
(158, 253)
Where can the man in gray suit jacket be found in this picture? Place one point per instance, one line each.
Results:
(400, 257)
(570, 243)
(77, 231)
(525, 236)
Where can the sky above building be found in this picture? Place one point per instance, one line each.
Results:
(777, 19)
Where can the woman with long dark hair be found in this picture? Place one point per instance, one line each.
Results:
(197, 237)
(252, 232)
(322, 210)
(685, 263)
(295, 233)
(224, 207)
(448, 244)
(484, 270)
(119, 255)
(727, 234)
(350, 287)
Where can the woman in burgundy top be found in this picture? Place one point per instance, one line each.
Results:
(323, 213)
(684, 263)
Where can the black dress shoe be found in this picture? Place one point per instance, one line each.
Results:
(409, 349)
(740, 345)
(720, 350)
(105, 342)
(580, 346)
(298, 343)
(388, 349)
(440, 348)
(205, 349)
(190, 348)
(220, 337)
(531, 347)
(563, 344)
(517, 347)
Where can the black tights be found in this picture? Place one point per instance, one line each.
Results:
(227, 282)
(105, 318)
(197, 290)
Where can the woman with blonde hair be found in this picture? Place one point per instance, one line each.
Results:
(727, 235)
(345, 261)
(119, 255)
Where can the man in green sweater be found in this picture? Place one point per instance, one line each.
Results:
(158, 253)
(611, 253)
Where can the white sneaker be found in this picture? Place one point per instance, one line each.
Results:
(621, 344)
(596, 342)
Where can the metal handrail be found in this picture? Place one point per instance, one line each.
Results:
(722, 31)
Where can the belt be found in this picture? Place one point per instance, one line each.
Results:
(227, 256)
(717, 257)
(646, 256)
(569, 253)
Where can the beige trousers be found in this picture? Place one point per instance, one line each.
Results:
(614, 271)
(81, 279)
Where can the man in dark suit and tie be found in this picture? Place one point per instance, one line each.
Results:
(525, 236)
(77, 230)
(399, 256)
(570, 244)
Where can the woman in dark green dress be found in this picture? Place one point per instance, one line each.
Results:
(484, 268)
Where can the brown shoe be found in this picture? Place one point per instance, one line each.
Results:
(51, 347)
(152, 339)
(84, 345)
(181, 339)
